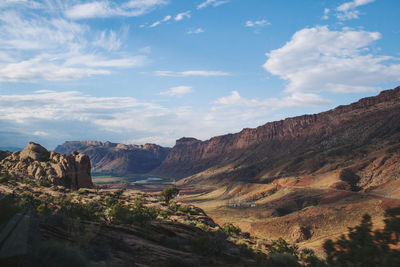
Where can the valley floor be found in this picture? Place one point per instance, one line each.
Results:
(306, 210)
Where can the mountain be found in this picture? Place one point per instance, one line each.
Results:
(35, 162)
(342, 137)
(120, 159)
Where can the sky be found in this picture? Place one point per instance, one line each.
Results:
(153, 71)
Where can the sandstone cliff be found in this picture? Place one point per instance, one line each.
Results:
(294, 146)
(120, 159)
(71, 170)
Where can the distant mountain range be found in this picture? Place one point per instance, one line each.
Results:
(118, 159)
(347, 136)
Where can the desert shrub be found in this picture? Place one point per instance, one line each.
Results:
(141, 213)
(184, 209)
(364, 247)
(118, 194)
(83, 191)
(280, 246)
(118, 213)
(85, 211)
(28, 201)
(230, 229)
(347, 175)
(109, 201)
(169, 193)
(43, 209)
(164, 215)
(201, 225)
(44, 182)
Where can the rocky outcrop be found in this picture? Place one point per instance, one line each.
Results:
(35, 162)
(293, 146)
(120, 159)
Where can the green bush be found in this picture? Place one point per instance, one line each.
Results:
(43, 209)
(169, 193)
(86, 211)
(348, 176)
(280, 246)
(45, 182)
(230, 229)
(364, 247)
(28, 201)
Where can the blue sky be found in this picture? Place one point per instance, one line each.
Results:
(152, 71)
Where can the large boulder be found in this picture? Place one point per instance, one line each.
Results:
(35, 152)
(35, 162)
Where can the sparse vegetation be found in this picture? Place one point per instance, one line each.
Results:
(230, 229)
(348, 176)
(169, 193)
(44, 182)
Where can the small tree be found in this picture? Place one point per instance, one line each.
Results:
(169, 193)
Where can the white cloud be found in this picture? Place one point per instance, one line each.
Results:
(63, 115)
(204, 73)
(182, 15)
(257, 23)
(195, 31)
(104, 9)
(213, 3)
(294, 100)
(326, 14)
(52, 48)
(317, 59)
(155, 24)
(178, 91)
(40, 133)
(348, 10)
(108, 41)
(24, 3)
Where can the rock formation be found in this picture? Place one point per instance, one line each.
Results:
(35, 162)
(120, 159)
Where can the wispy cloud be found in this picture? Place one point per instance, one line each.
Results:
(213, 3)
(178, 91)
(158, 22)
(291, 101)
(317, 59)
(204, 73)
(182, 15)
(347, 11)
(326, 14)
(51, 117)
(257, 23)
(105, 9)
(108, 41)
(54, 48)
(195, 31)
